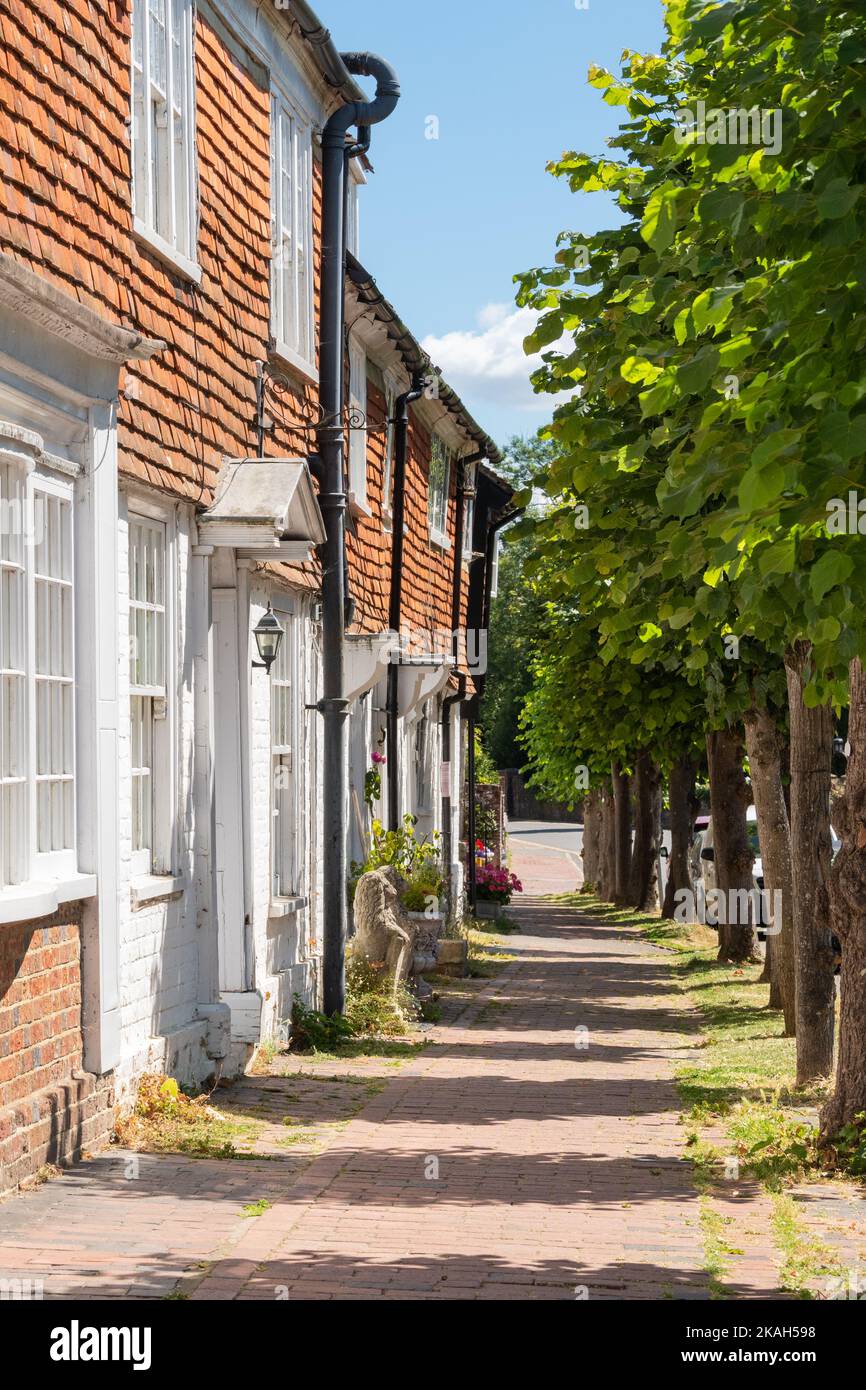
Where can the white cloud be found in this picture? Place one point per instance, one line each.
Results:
(488, 364)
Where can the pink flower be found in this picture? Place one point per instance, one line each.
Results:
(379, 758)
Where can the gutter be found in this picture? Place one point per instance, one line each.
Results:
(332, 498)
(332, 64)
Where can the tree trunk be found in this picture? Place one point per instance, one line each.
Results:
(647, 832)
(607, 847)
(622, 822)
(729, 798)
(774, 835)
(848, 915)
(811, 748)
(592, 816)
(681, 794)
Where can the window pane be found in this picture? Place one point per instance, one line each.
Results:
(438, 501)
(147, 606)
(54, 675)
(291, 212)
(13, 788)
(162, 106)
(141, 731)
(157, 45)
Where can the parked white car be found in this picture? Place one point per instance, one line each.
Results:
(703, 858)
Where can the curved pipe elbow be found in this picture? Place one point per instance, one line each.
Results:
(366, 113)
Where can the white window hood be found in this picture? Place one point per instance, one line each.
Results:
(266, 508)
(421, 677)
(367, 656)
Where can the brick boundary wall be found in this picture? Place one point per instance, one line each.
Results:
(521, 802)
(50, 1108)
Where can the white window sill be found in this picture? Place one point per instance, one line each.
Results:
(285, 907)
(26, 901)
(358, 505)
(441, 542)
(151, 888)
(287, 357)
(169, 255)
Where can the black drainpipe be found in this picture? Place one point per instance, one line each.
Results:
(493, 530)
(332, 500)
(401, 437)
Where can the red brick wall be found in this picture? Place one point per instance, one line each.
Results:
(40, 1006)
(49, 1108)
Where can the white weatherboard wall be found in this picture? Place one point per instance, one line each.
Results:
(162, 1027)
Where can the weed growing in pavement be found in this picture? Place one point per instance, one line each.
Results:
(166, 1120)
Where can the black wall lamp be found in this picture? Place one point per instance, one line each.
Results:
(268, 633)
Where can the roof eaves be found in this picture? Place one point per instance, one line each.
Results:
(416, 359)
(305, 22)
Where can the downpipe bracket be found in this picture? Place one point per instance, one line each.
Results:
(336, 705)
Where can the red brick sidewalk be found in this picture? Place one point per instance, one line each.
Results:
(532, 1152)
(522, 1158)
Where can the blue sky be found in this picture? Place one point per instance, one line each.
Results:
(446, 223)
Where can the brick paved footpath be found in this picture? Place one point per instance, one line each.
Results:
(507, 1161)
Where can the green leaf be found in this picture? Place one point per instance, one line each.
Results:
(723, 205)
(838, 198)
(760, 486)
(826, 630)
(829, 572)
(843, 434)
(660, 219)
(638, 369)
(778, 558)
(695, 376)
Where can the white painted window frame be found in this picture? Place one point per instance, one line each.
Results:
(26, 861)
(471, 482)
(437, 503)
(164, 170)
(293, 327)
(353, 210)
(287, 673)
(160, 857)
(358, 433)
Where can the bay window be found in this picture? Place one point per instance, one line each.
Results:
(37, 678)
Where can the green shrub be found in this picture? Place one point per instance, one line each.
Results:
(850, 1146)
(418, 861)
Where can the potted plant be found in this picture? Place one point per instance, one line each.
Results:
(495, 886)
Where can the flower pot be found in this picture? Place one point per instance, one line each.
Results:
(427, 933)
(489, 911)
